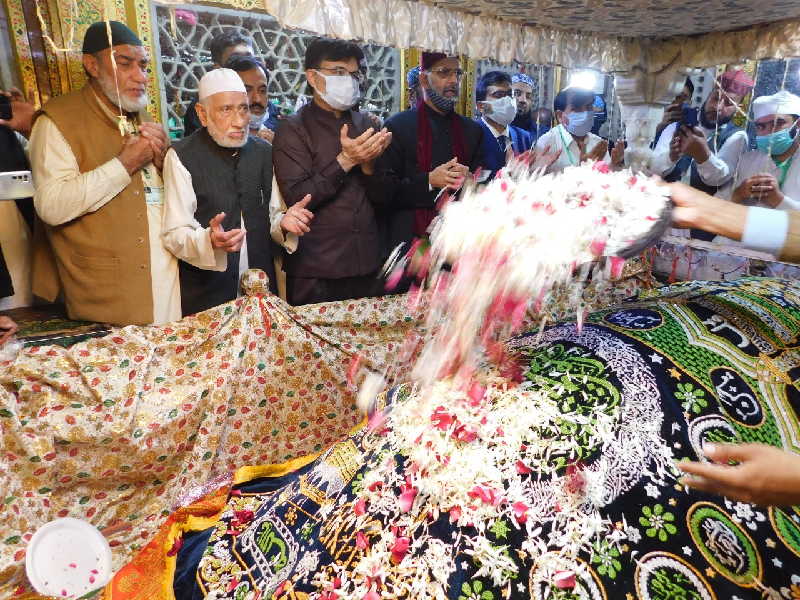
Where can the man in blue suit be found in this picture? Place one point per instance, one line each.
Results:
(497, 109)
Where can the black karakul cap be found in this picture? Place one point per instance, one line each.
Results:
(96, 38)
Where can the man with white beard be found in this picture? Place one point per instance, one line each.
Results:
(221, 176)
(96, 157)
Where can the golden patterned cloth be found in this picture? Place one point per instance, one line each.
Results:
(133, 426)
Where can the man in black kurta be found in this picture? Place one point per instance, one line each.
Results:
(222, 177)
(329, 151)
(451, 144)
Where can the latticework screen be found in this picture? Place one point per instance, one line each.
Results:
(184, 34)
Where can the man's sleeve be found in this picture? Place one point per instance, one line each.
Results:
(295, 173)
(720, 168)
(409, 191)
(277, 210)
(181, 233)
(766, 230)
(661, 164)
(791, 247)
(63, 193)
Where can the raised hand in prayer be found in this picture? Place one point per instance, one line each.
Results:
(7, 328)
(229, 241)
(596, 153)
(297, 218)
(450, 174)
(22, 111)
(534, 160)
(362, 150)
(693, 143)
(159, 141)
(765, 475)
(762, 186)
(136, 153)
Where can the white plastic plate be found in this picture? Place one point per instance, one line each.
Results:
(68, 558)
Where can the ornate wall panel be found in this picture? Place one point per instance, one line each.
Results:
(184, 34)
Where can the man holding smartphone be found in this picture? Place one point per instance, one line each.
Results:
(709, 151)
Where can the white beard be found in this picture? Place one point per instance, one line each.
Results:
(222, 138)
(108, 86)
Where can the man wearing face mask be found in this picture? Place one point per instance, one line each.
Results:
(573, 136)
(221, 176)
(500, 138)
(329, 151)
(770, 175)
(432, 148)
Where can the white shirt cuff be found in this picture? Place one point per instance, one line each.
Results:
(765, 229)
(788, 204)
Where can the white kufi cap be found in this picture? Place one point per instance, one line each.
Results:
(220, 80)
(782, 103)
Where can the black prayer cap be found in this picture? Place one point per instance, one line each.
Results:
(96, 38)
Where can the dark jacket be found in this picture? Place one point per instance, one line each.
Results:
(521, 141)
(237, 182)
(343, 241)
(400, 158)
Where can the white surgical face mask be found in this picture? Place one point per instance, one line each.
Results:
(503, 111)
(580, 123)
(341, 91)
(256, 121)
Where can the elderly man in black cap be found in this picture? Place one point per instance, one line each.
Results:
(96, 157)
(431, 149)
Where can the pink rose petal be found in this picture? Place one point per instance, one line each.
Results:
(520, 512)
(617, 265)
(406, 499)
(399, 549)
(360, 507)
(521, 468)
(361, 541)
(564, 580)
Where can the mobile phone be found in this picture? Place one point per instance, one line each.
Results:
(5, 108)
(16, 184)
(689, 116)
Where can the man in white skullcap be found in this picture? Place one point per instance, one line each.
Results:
(770, 175)
(221, 176)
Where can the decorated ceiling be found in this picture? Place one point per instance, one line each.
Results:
(635, 18)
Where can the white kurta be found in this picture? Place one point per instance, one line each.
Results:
(754, 162)
(718, 169)
(63, 193)
(559, 138)
(16, 239)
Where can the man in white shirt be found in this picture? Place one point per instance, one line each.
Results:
(573, 137)
(708, 154)
(770, 174)
(96, 158)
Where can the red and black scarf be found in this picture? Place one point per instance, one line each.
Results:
(424, 216)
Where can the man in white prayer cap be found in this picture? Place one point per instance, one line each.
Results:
(223, 177)
(770, 175)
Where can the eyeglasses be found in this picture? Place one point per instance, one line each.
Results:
(444, 73)
(500, 94)
(342, 72)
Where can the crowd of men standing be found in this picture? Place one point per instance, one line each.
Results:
(130, 229)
